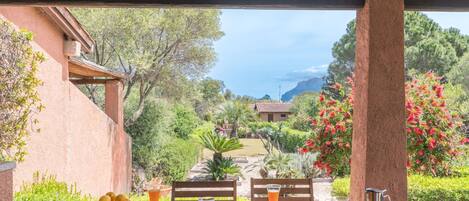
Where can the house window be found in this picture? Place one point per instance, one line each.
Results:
(283, 115)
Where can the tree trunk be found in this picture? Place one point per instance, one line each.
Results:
(217, 157)
(234, 130)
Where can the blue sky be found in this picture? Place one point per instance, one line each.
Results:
(265, 49)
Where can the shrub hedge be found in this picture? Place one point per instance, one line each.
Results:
(289, 139)
(424, 188)
(46, 188)
(176, 159)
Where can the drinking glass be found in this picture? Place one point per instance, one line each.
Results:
(273, 191)
(154, 194)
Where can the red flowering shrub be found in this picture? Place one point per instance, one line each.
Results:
(432, 132)
(333, 128)
(431, 129)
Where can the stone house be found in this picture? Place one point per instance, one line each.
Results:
(78, 143)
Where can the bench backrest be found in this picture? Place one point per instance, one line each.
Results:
(291, 190)
(200, 189)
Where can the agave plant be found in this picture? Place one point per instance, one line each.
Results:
(219, 144)
(282, 164)
(219, 169)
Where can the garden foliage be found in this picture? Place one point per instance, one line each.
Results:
(46, 188)
(286, 139)
(157, 147)
(18, 90)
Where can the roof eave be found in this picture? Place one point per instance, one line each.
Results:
(70, 25)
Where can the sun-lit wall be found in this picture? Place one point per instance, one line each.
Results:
(77, 141)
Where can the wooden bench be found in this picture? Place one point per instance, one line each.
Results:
(193, 190)
(291, 190)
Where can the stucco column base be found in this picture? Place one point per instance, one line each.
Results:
(379, 141)
(6, 181)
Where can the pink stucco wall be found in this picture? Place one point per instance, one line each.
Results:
(77, 139)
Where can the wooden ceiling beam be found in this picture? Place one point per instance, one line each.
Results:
(437, 5)
(90, 81)
(251, 4)
(423, 5)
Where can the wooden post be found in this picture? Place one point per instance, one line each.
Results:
(379, 141)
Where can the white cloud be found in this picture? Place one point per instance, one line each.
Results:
(304, 74)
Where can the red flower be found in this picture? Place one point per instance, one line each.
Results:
(340, 127)
(314, 122)
(321, 98)
(408, 164)
(421, 152)
(431, 131)
(464, 141)
(328, 143)
(331, 102)
(443, 104)
(411, 118)
(431, 144)
(337, 86)
(302, 150)
(409, 105)
(418, 131)
(441, 135)
(417, 161)
(439, 91)
(321, 113)
(309, 143)
(408, 130)
(332, 114)
(347, 115)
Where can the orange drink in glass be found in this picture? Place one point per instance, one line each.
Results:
(154, 194)
(273, 191)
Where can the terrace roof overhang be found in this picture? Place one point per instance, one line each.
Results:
(82, 71)
(432, 5)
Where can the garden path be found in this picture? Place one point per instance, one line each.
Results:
(247, 158)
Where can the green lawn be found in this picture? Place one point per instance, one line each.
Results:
(252, 147)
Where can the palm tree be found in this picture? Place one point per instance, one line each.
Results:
(235, 113)
(219, 144)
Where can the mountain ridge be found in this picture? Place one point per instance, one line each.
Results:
(311, 85)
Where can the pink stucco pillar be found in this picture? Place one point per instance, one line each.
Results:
(379, 141)
(114, 107)
(6, 181)
(121, 143)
